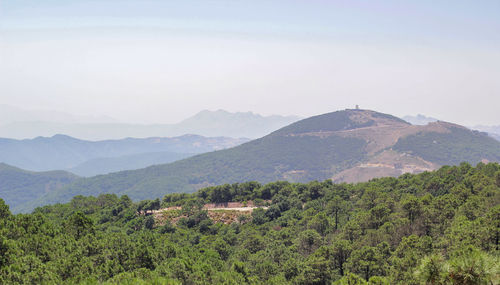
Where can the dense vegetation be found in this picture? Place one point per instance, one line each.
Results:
(107, 165)
(264, 160)
(301, 152)
(18, 186)
(267, 159)
(433, 228)
(451, 148)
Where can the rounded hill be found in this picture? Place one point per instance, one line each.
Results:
(340, 121)
(345, 146)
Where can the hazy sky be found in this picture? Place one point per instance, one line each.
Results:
(161, 61)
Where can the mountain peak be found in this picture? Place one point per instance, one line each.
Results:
(239, 124)
(419, 119)
(345, 146)
(62, 137)
(348, 119)
(221, 113)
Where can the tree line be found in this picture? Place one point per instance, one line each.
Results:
(440, 227)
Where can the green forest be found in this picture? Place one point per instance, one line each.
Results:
(440, 227)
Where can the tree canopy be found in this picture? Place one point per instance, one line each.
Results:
(440, 227)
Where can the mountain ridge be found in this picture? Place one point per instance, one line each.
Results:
(65, 152)
(205, 123)
(106, 165)
(493, 131)
(345, 146)
(19, 185)
(419, 119)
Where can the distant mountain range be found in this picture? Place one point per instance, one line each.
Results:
(493, 131)
(206, 123)
(88, 158)
(419, 119)
(345, 146)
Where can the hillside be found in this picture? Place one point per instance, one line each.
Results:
(439, 227)
(18, 186)
(65, 152)
(346, 146)
(493, 131)
(205, 123)
(107, 165)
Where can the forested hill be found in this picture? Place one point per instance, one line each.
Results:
(439, 227)
(349, 146)
(18, 186)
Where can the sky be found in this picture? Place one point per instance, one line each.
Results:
(148, 61)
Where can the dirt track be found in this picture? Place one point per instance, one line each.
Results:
(241, 209)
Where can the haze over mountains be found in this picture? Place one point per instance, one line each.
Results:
(10, 114)
(493, 131)
(22, 124)
(345, 146)
(419, 119)
(87, 158)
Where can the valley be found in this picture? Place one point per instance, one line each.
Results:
(345, 146)
(249, 142)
